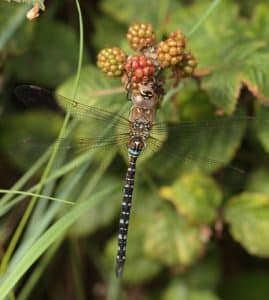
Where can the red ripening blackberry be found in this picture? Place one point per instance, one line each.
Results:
(139, 68)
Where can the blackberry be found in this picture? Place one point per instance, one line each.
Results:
(112, 61)
(178, 36)
(139, 68)
(169, 52)
(187, 65)
(140, 36)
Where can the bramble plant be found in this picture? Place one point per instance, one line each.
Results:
(199, 230)
(154, 58)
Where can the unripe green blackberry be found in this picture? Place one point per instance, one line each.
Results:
(112, 61)
(169, 52)
(139, 68)
(178, 36)
(140, 36)
(187, 65)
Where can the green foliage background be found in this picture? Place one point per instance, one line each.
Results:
(199, 227)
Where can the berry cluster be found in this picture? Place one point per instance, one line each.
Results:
(140, 36)
(139, 68)
(178, 36)
(187, 65)
(112, 61)
(153, 58)
(169, 53)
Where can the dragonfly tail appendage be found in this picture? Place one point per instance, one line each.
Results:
(125, 215)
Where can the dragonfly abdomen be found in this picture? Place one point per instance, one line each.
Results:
(134, 151)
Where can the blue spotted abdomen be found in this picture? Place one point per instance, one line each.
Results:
(126, 209)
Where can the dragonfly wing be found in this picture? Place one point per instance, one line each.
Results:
(33, 95)
(205, 145)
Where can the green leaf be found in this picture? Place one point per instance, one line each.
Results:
(139, 11)
(195, 196)
(24, 137)
(233, 58)
(53, 50)
(247, 286)
(258, 24)
(215, 39)
(171, 240)
(95, 89)
(108, 32)
(179, 290)
(201, 147)
(248, 217)
(245, 63)
(258, 181)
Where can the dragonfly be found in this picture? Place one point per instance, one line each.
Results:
(138, 132)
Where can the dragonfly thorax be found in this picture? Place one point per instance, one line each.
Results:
(140, 130)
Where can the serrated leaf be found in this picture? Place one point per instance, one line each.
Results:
(248, 218)
(179, 290)
(195, 196)
(233, 57)
(171, 240)
(246, 63)
(217, 30)
(16, 129)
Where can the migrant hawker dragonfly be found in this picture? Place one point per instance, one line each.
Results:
(140, 133)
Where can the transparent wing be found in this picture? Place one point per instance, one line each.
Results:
(220, 123)
(31, 94)
(207, 145)
(99, 129)
(78, 144)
